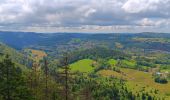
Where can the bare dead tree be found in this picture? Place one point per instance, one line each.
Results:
(46, 78)
(34, 78)
(87, 94)
(68, 78)
(65, 75)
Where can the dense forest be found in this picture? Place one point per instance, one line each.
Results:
(67, 66)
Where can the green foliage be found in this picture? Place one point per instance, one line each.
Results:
(12, 84)
(102, 64)
(15, 56)
(112, 62)
(161, 80)
(97, 52)
(144, 52)
(107, 88)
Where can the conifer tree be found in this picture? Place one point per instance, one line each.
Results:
(12, 84)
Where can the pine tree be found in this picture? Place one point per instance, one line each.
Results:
(46, 78)
(12, 84)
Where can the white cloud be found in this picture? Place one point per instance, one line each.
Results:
(54, 14)
(89, 12)
(137, 6)
(153, 22)
(146, 22)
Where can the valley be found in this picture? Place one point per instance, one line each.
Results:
(84, 49)
(120, 66)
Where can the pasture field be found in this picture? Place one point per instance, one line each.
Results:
(84, 65)
(138, 81)
(112, 62)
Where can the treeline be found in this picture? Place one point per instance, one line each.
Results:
(97, 52)
(161, 80)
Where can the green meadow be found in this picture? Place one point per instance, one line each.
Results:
(84, 65)
(136, 81)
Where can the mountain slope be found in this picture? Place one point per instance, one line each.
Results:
(17, 57)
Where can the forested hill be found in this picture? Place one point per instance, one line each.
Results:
(15, 55)
(20, 40)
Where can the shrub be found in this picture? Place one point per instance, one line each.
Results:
(161, 80)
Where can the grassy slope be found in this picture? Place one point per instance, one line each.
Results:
(112, 62)
(84, 65)
(136, 80)
(130, 64)
(140, 77)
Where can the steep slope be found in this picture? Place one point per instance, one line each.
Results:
(17, 57)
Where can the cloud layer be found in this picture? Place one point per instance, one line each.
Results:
(85, 15)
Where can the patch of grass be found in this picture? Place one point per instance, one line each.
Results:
(130, 64)
(109, 73)
(112, 62)
(84, 65)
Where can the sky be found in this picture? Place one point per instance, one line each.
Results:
(96, 16)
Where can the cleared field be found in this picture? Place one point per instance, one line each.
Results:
(36, 54)
(138, 80)
(109, 73)
(112, 62)
(143, 78)
(84, 65)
